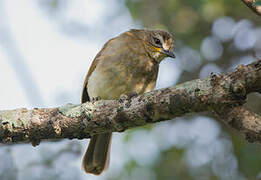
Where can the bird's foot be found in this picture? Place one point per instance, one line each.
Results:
(96, 98)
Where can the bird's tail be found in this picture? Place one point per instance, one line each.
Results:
(97, 156)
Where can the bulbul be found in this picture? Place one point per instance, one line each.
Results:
(127, 64)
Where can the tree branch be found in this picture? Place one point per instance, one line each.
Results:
(219, 93)
(255, 9)
(243, 120)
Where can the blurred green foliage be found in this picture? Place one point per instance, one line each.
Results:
(189, 20)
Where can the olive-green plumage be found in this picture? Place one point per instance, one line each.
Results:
(126, 64)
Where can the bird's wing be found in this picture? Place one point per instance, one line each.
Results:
(85, 95)
(125, 36)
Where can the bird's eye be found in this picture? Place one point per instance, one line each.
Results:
(157, 41)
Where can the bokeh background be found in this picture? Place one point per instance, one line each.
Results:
(46, 47)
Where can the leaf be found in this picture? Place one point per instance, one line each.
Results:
(257, 3)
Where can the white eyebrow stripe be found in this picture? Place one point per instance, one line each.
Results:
(164, 45)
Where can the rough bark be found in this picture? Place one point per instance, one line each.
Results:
(255, 9)
(243, 120)
(223, 94)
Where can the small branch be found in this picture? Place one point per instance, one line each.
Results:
(216, 93)
(245, 121)
(255, 9)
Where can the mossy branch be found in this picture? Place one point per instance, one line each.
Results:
(223, 94)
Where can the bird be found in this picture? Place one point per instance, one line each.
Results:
(127, 64)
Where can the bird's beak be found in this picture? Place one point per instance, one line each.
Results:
(168, 53)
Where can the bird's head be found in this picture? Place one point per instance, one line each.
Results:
(158, 43)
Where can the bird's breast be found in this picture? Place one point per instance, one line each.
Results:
(110, 80)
